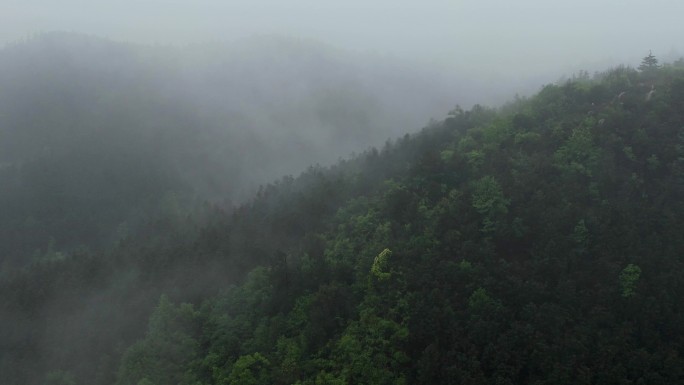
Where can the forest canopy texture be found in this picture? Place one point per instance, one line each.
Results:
(536, 243)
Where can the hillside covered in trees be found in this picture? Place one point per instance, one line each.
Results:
(98, 138)
(536, 243)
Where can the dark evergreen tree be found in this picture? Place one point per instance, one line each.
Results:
(649, 63)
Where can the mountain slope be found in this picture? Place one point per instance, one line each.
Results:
(539, 243)
(95, 134)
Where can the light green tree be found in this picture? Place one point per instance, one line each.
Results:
(380, 268)
(251, 369)
(488, 199)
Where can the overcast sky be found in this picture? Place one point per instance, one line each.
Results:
(491, 35)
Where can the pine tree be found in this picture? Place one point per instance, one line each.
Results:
(649, 63)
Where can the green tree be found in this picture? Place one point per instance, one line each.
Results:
(629, 277)
(488, 199)
(380, 265)
(251, 369)
(580, 237)
(167, 350)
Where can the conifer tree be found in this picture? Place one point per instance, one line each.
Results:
(649, 63)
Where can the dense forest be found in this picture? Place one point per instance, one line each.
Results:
(534, 243)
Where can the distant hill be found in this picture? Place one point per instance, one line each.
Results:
(96, 136)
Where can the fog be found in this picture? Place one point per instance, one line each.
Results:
(532, 38)
(119, 120)
(115, 127)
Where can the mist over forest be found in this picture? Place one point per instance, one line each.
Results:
(336, 194)
(100, 132)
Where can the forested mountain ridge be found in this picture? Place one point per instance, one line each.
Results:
(94, 134)
(539, 243)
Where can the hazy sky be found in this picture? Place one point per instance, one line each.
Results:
(490, 35)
